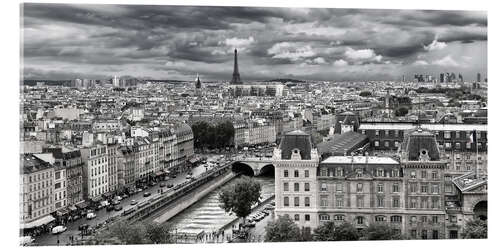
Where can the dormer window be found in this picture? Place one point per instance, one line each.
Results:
(424, 156)
(359, 173)
(380, 172)
(340, 172)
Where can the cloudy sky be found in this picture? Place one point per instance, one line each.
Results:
(176, 42)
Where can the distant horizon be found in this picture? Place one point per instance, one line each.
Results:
(67, 41)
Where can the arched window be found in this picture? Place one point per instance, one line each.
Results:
(324, 217)
(379, 218)
(360, 220)
(396, 219)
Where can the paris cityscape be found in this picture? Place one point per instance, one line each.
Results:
(144, 124)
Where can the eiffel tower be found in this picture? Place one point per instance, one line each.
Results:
(236, 74)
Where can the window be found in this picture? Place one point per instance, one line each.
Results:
(339, 172)
(396, 219)
(359, 173)
(453, 218)
(359, 201)
(377, 132)
(307, 202)
(306, 173)
(359, 187)
(360, 220)
(424, 202)
(323, 172)
(434, 175)
(338, 217)
(306, 186)
(285, 173)
(423, 188)
(413, 203)
(395, 201)
(324, 217)
(448, 188)
(286, 201)
(413, 219)
(324, 201)
(296, 217)
(380, 201)
(447, 135)
(395, 172)
(296, 187)
(285, 186)
(307, 217)
(413, 174)
(413, 233)
(435, 188)
(339, 201)
(386, 144)
(457, 145)
(413, 187)
(424, 234)
(296, 173)
(339, 187)
(423, 219)
(423, 174)
(380, 188)
(453, 234)
(376, 143)
(435, 234)
(380, 172)
(435, 203)
(324, 187)
(379, 218)
(435, 219)
(395, 187)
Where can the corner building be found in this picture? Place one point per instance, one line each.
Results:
(407, 192)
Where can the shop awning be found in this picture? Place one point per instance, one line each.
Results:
(96, 199)
(82, 205)
(72, 208)
(61, 212)
(39, 222)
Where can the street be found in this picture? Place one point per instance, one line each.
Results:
(103, 215)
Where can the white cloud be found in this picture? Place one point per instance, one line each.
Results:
(339, 63)
(435, 45)
(239, 43)
(313, 28)
(319, 60)
(420, 63)
(362, 55)
(294, 52)
(446, 61)
(173, 64)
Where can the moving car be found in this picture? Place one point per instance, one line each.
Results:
(58, 229)
(146, 194)
(170, 185)
(139, 190)
(162, 184)
(110, 208)
(83, 227)
(91, 215)
(118, 208)
(27, 240)
(133, 202)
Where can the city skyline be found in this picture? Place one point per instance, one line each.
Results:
(64, 42)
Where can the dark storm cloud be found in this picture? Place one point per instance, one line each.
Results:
(201, 39)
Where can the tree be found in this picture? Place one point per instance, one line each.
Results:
(158, 234)
(401, 111)
(139, 233)
(239, 197)
(282, 229)
(381, 231)
(475, 229)
(330, 232)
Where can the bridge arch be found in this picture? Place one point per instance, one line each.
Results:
(267, 170)
(243, 168)
(481, 210)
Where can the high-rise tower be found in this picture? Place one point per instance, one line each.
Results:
(236, 74)
(198, 82)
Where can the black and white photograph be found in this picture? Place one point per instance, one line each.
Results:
(195, 124)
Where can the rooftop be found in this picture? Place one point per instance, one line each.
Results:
(360, 160)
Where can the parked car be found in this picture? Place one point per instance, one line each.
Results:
(146, 194)
(124, 196)
(133, 202)
(58, 229)
(118, 198)
(174, 176)
(110, 208)
(162, 184)
(27, 240)
(118, 208)
(170, 185)
(139, 190)
(115, 202)
(91, 216)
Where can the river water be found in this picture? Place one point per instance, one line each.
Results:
(206, 215)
